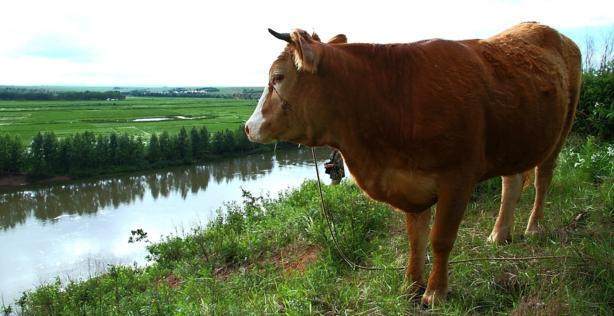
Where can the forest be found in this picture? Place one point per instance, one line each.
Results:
(85, 154)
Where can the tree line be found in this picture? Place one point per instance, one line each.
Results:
(208, 95)
(10, 93)
(84, 154)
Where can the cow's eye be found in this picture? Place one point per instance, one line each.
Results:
(277, 79)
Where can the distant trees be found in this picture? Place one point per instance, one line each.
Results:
(15, 93)
(86, 153)
(206, 92)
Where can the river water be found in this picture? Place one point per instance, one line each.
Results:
(75, 230)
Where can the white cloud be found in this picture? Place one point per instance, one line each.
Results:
(226, 43)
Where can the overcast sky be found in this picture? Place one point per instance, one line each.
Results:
(225, 43)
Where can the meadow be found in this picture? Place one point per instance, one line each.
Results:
(26, 118)
(276, 256)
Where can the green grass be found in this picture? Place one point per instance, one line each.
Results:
(274, 256)
(26, 118)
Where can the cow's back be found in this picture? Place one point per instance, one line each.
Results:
(533, 78)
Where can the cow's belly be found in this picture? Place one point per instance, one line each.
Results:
(408, 191)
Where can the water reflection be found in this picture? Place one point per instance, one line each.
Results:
(61, 229)
(50, 203)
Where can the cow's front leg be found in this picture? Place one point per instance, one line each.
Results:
(452, 201)
(417, 231)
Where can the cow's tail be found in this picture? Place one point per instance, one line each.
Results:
(527, 178)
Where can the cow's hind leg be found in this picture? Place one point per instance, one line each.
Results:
(510, 193)
(544, 171)
(543, 177)
(417, 231)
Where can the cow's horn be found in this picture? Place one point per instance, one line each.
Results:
(281, 36)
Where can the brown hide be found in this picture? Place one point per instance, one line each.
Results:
(404, 115)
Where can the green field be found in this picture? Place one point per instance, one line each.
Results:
(275, 256)
(26, 118)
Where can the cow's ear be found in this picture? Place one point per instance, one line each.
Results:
(316, 37)
(338, 39)
(307, 51)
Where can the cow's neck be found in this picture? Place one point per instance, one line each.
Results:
(370, 113)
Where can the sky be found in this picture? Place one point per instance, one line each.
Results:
(226, 43)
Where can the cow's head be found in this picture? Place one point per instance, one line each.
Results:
(291, 107)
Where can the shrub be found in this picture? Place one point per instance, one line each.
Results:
(595, 114)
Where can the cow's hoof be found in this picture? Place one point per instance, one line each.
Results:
(500, 237)
(415, 291)
(433, 297)
(534, 230)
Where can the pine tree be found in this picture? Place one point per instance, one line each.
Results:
(139, 151)
(229, 141)
(50, 151)
(37, 156)
(113, 144)
(89, 150)
(101, 151)
(153, 149)
(124, 152)
(217, 143)
(241, 141)
(205, 138)
(166, 147)
(4, 154)
(16, 155)
(64, 155)
(196, 144)
(184, 150)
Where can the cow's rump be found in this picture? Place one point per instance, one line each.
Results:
(533, 84)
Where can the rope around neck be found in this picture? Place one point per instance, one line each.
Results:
(333, 230)
(333, 233)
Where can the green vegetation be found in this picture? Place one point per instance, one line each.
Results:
(275, 256)
(10, 93)
(85, 154)
(26, 118)
(596, 109)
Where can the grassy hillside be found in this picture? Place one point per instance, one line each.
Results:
(275, 256)
(26, 118)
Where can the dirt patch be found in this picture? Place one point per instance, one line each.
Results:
(293, 257)
(534, 306)
(296, 257)
(173, 281)
(222, 273)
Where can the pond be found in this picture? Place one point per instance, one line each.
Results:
(75, 230)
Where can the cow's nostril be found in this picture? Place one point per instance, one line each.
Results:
(246, 130)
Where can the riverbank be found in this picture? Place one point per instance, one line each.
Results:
(275, 256)
(20, 180)
(13, 181)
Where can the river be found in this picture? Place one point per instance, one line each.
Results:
(75, 230)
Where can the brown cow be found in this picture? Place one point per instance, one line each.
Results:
(422, 123)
